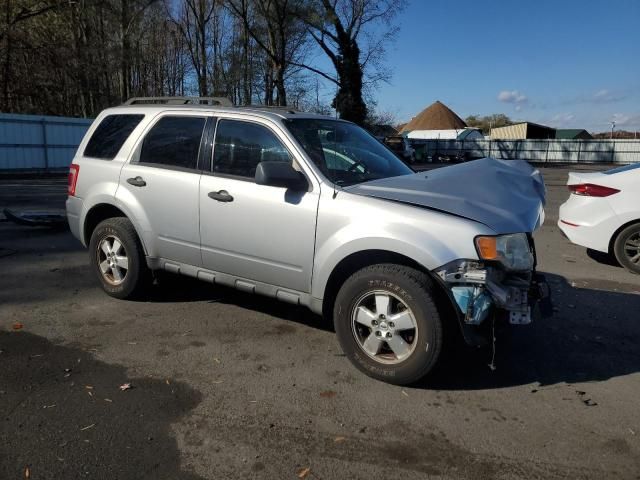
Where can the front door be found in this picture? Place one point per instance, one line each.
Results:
(252, 231)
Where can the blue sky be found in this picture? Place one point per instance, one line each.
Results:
(564, 63)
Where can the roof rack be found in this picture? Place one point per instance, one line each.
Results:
(285, 108)
(219, 101)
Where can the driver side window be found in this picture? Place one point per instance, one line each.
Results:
(240, 146)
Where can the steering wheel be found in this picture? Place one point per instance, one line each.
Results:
(358, 163)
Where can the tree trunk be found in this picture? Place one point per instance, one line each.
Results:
(124, 59)
(280, 86)
(7, 60)
(202, 26)
(245, 71)
(348, 101)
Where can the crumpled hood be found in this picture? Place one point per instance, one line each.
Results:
(506, 195)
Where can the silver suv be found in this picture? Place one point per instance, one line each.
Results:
(314, 211)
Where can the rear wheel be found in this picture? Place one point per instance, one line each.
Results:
(387, 323)
(118, 259)
(627, 248)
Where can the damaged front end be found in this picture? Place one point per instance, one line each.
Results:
(502, 284)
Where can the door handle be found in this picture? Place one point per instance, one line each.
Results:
(221, 196)
(136, 182)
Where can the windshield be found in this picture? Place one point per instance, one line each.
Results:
(344, 152)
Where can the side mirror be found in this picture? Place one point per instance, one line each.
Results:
(280, 174)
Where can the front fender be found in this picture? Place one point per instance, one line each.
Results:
(430, 249)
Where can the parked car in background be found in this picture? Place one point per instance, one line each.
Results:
(314, 211)
(401, 147)
(603, 213)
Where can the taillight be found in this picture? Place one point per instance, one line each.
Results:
(591, 190)
(74, 171)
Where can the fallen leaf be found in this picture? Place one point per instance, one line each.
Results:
(328, 394)
(339, 439)
(88, 427)
(304, 472)
(27, 473)
(19, 326)
(126, 386)
(215, 359)
(108, 400)
(89, 387)
(90, 393)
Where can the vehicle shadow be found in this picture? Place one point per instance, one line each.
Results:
(176, 288)
(64, 415)
(593, 335)
(603, 258)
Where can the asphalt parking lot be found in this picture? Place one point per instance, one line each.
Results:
(228, 385)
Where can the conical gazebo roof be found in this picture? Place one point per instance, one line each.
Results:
(436, 116)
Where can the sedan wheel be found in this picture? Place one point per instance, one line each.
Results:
(632, 248)
(627, 248)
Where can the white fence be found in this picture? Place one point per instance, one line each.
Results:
(537, 151)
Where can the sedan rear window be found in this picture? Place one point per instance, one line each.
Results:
(108, 138)
(626, 168)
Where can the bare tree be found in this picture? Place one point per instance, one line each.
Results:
(339, 27)
(278, 33)
(78, 57)
(193, 22)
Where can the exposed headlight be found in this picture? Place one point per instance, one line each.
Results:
(512, 251)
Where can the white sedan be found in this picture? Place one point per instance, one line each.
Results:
(603, 213)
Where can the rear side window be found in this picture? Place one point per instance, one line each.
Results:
(113, 131)
(173, 142)
(240, 146)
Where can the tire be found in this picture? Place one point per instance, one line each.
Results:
(130, 281)
(626, 248)
(357, 303)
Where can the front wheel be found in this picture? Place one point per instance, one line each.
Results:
(118, 259)
(387, 323)
(627, 248)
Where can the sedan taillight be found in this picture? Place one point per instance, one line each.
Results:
(74, 170)
(591, 190)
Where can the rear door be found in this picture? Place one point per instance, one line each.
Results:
(160, 185)
(252, 231)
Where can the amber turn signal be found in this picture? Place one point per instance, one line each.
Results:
(487, 248)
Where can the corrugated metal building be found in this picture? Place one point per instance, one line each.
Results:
(35, 142)
(523, 131)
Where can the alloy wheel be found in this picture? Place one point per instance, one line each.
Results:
(632, 248)
(384, 327)
(112, 260)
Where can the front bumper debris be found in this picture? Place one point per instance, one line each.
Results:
(479, 290)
